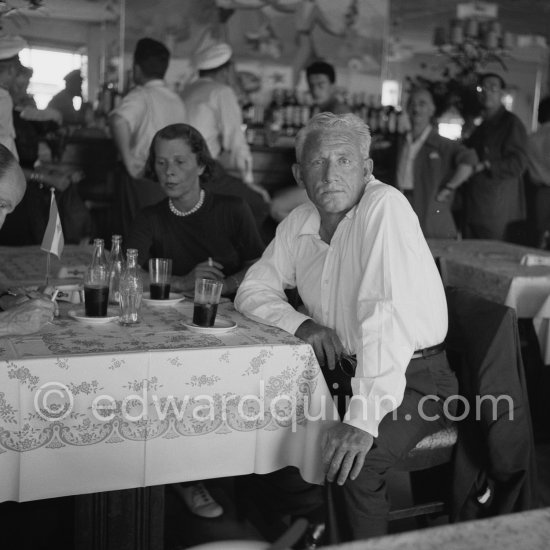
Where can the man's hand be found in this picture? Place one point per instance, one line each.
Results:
(444, 195)
(323, 340)
(344, 450)
(28, 317)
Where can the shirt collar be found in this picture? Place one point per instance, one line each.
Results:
(155, 83)
(421, 138)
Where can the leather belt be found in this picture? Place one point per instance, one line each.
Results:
(428, 352)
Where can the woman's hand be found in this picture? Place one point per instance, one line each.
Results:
(208, 269)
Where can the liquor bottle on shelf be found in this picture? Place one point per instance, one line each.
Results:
(274, 118)
(392, 120)
(373, 116)
(289, 105)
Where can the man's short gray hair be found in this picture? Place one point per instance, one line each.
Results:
(325, 121)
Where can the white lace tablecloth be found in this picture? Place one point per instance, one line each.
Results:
(98, 408)
(492, 269)
(26, 265)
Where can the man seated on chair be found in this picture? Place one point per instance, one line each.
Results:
(19, 314)
(370, 287)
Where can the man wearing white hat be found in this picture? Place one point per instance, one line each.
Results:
(10, 46)
(214, 111)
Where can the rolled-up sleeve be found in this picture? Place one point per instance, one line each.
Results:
(261, 295)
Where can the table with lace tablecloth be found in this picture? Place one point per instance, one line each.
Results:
(106, 407)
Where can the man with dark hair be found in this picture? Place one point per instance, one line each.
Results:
(18, 314)
(538, 156)
(321, 79)
(63, 101)
(10, 46)
(494, 194)
(146, 109)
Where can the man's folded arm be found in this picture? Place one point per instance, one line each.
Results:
(261, 295)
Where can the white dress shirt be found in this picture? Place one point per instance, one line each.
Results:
(214, 111)
(405, 166)
(147, 109)
(376, 285)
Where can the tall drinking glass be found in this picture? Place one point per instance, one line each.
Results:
(207, 298)
(160, 272)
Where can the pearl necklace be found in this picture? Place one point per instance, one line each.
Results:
(181, 214)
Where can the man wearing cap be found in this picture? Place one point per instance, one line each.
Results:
(145, 110)
(10, 46)
(214, 111)
(63, 101)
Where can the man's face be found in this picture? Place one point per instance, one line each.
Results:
(421, 109)
(490, 93)
(333, 170)
(321, 88)
(12, 189)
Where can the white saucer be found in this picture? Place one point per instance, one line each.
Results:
(173, 300)
(220, 325)
(80, 316)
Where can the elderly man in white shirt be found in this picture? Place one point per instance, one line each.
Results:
(370, 288)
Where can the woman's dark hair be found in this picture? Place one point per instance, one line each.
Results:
(194, 140)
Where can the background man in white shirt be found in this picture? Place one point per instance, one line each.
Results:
(145, 110)
(370, 287)
(214, 111)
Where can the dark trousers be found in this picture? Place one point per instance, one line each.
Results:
(365, 500)
(359, 508)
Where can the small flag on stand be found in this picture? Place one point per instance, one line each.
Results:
(53, 240)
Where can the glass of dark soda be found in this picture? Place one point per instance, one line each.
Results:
(207, 298)
(160, 271)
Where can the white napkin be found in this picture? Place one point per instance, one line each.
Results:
(535, 259)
